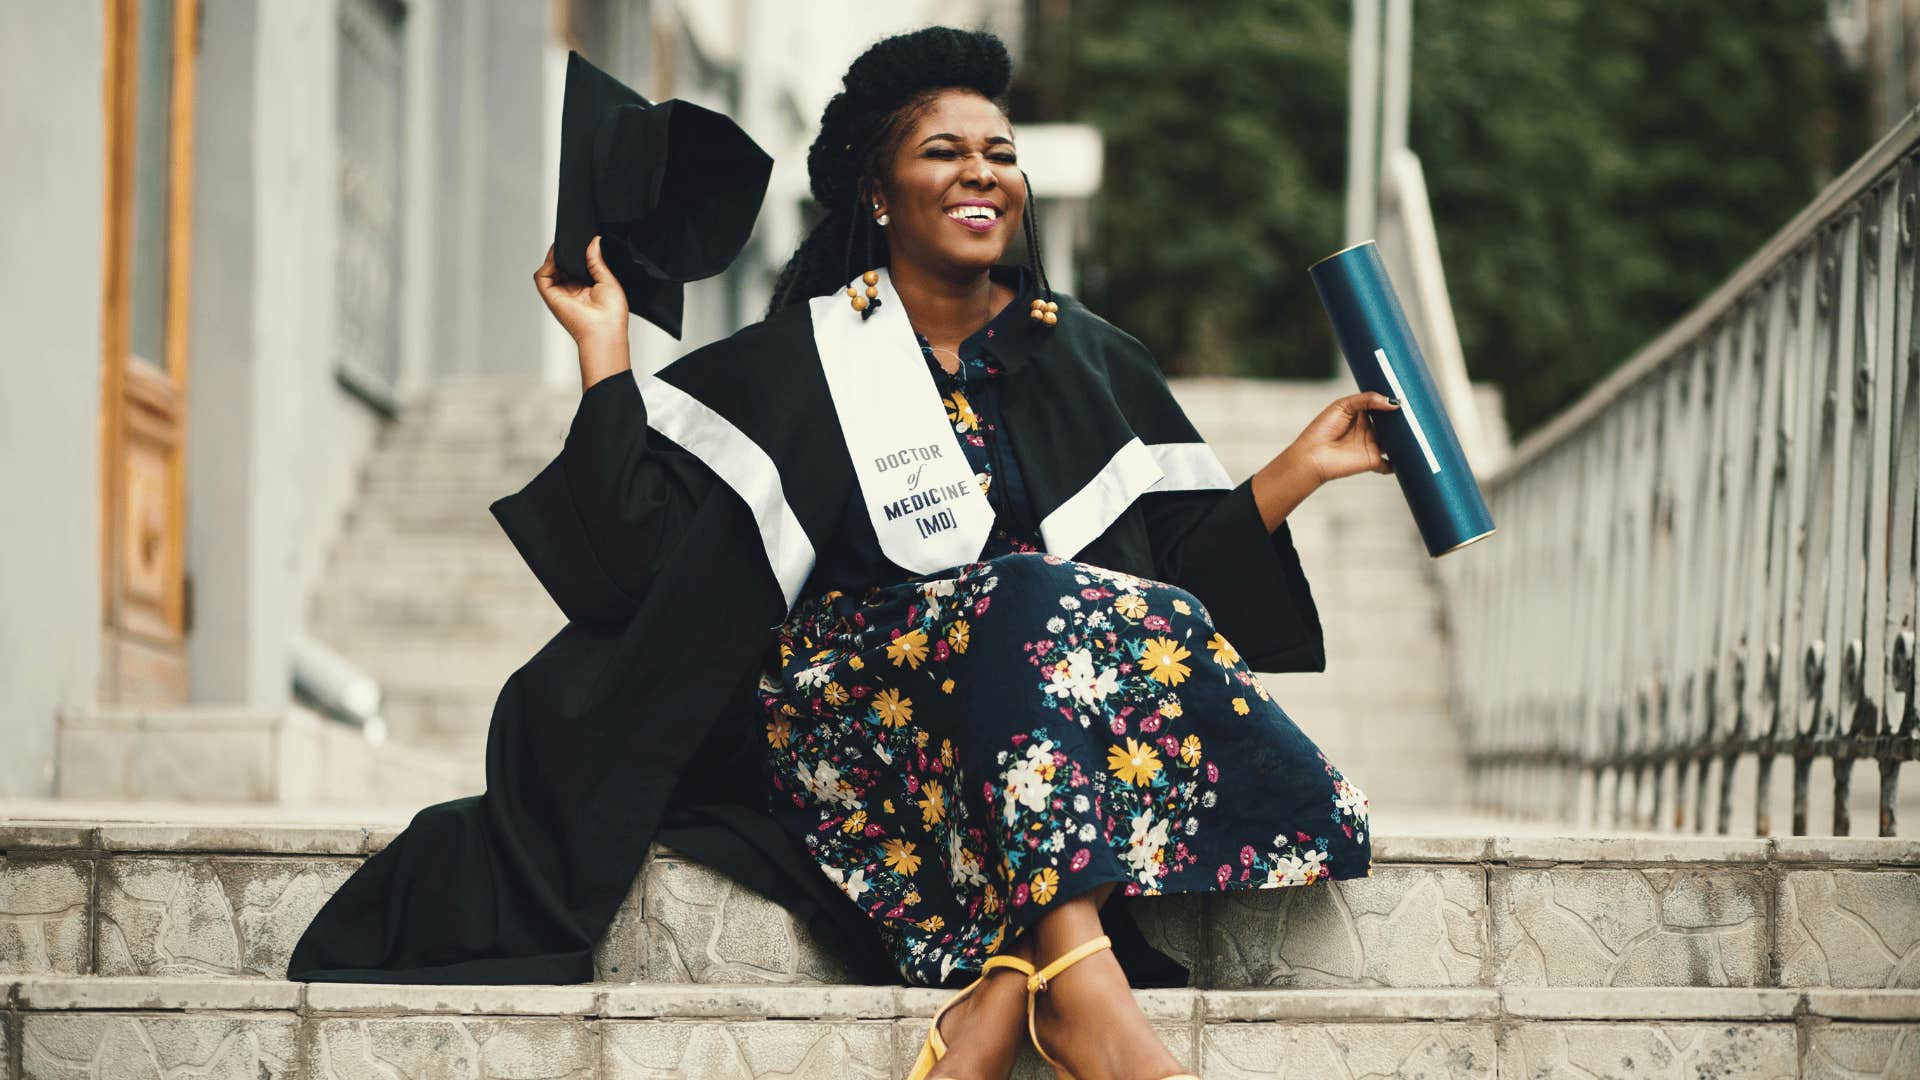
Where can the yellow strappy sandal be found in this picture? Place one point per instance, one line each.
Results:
(935, 1047)
(1037, 982)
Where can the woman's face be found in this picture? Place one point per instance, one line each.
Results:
(953, 194)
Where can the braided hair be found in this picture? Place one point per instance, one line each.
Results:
(886, 89)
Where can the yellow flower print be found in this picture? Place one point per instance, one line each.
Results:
(990, 903)
(786, 654)
(1044, 884)
(1161, 657)
(931, 922)
(960, 412)
(1224, 653)
(998, 935)
(946, 686)
(946, 751)
(1182, 606)
(1136, 765)
(959, 636)
(920, 737)
(900, 857)
(856, 822)
(788, 708)
(1190, 750)
(778, 731)
(835, 694)
(1130, 605)
(1172, 710)
(1240, 705)
(892, 709)
(932, 808)
(913, 895)
(856, 663)
(821, 655)
(1261, 689)
(887, 806)
(909, 648)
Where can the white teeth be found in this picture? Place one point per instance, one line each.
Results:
(973, 213)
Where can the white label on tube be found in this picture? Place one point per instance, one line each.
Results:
(1406, 407)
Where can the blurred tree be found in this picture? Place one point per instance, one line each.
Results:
(1595, 169)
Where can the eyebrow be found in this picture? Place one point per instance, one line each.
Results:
(992, 140)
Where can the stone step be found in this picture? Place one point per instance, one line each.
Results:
(1437, 911)
(246, 1028)
(212, 754)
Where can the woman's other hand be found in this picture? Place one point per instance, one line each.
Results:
(1340, 441)
(593, 314)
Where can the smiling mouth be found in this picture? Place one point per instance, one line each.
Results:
(975, 216)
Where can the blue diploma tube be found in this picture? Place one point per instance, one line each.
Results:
(1381, 352)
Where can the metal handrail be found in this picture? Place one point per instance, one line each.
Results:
(1711, 556)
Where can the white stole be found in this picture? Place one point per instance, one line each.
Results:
(920, 492)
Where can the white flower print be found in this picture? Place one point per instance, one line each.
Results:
(1056, 624)
(817, 675)
(1057, 842)
(1025, 786)
(1349, 799)
(1088, 832)
(1097, 620)
(1079, 681)
(852, 884)
(963, 866)
(1080, 804)
(1071, 603)
(1149, 837)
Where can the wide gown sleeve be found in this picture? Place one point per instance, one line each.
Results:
(1212, 541)
(596, 523)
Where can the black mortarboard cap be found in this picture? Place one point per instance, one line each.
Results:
(671, 188)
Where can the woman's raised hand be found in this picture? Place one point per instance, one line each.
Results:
(1340, 441)
(594, 314)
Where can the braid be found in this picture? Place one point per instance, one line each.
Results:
(1030, 220)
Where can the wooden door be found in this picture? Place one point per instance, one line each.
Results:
(149, 86)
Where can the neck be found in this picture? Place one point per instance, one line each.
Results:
(945, 308)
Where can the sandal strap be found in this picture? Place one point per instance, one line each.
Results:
(1006, 960)
(1038, 980)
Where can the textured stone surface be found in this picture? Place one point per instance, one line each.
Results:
(1725, 1051)
(108, 1046)
(1314, 1051)
(797, 1049)
(1850, 928)
(693, 924)
(183, 916)
(1856, 1051)
(95, 993)
(1688, 926)
(1401, 926)
(450, 1048)
(43, 916)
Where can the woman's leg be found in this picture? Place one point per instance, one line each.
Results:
(984, 1032)
(1087, 1017)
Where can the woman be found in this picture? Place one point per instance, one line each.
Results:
(980, 755)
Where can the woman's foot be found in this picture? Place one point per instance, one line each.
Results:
(1086, 1018)
(1088, 1021)
(985, 1030)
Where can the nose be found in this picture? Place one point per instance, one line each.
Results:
(982, 173)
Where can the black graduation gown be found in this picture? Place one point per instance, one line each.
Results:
(674, 530)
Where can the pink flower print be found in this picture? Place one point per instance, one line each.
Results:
(1020, 895)
(1132, 889)
(940, 649)
(1117, 726)
(1180, 850)
(913, 784)
(1303, 837)
(1221, 875)
(859, 618)
(859, 691)
(1089, 593)
(1155, 622)
(1149, 723)
(1080, 859)
(980, 606)
(874, 830)
(1213, 773)
(1170, 745)
(1017, 739)
(896, 911)
(1244, 873)
(1246, 856)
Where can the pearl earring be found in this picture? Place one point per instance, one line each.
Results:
(883, 220)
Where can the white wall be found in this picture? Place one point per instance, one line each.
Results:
(51, 62)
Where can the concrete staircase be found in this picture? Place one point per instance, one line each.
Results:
(425, 593)
(141, 949)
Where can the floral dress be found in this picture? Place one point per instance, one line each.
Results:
(965, 750)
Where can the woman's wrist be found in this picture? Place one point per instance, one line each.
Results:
(600, 359)
(1282, 484)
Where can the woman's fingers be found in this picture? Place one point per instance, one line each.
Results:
(595, 265)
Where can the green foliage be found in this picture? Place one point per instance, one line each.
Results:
(1594, 169)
